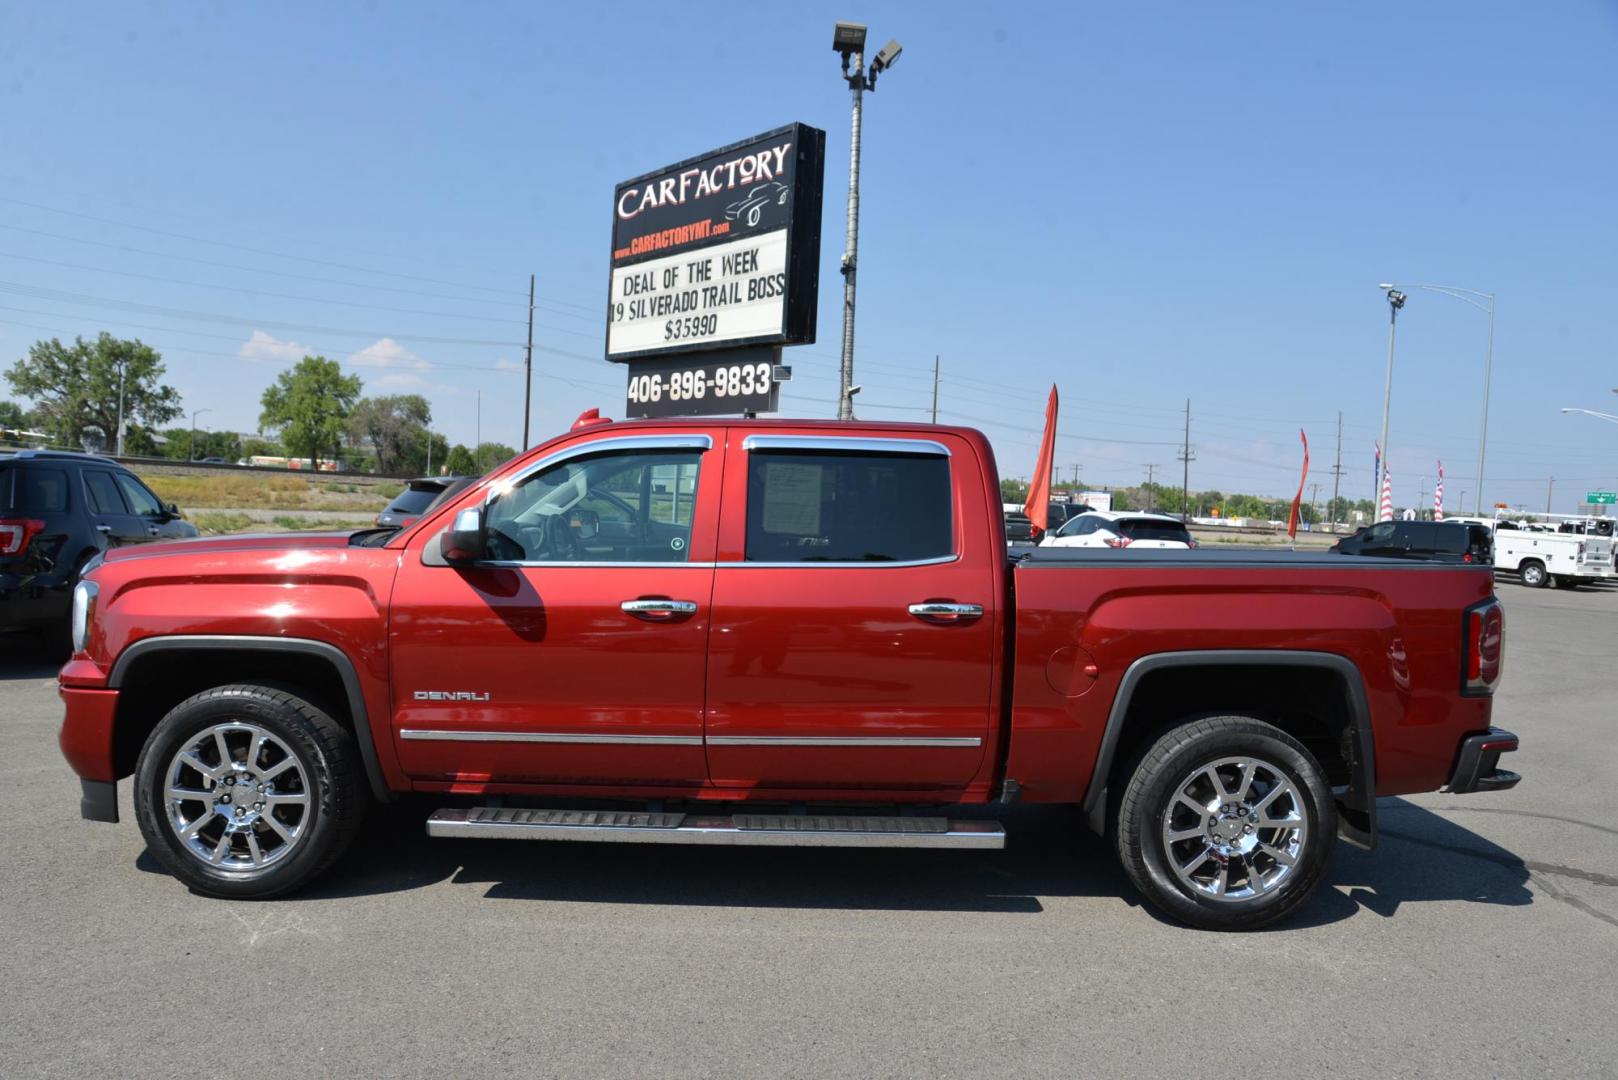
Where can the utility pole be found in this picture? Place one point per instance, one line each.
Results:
(477, 447)
(1314, 495)
(1151, 467)
(1396, 300)
(849, 40)
(1421, 501)
(935, 388)
(528, 370)
(1075, 468)
(1186, 457)
(1336, 475)
(121, 366)
(1549, 488)
(429, 451)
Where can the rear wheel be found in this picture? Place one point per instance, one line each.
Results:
(1534, 575)
(247, 792)
(1227, 824)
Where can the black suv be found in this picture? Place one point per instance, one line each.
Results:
(1440, 541)
(57, 510)
(417, 498)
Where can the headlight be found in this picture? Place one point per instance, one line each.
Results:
(84, 606)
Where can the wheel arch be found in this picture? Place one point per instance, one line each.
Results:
(1127, 726)
(300, 663)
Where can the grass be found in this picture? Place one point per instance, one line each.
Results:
(299, 524)
(257, 491)
(217, 524)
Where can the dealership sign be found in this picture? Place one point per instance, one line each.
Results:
(719, 251)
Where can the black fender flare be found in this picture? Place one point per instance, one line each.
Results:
(324, 650)
(1358, 826)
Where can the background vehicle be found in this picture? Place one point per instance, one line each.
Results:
(57, 510)
(1121, 529)
(1542, 557)
(594, 622)
(414, 500)
(1019, 528)
(1445, 541)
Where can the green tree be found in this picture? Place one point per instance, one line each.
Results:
(75, 387)
(392, 426)
(490, 454)
(461, 462)
(309, 406)
(1013, 490)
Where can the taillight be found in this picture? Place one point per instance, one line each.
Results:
(1190, 543)
(1467, 557)
(1485, 647)
(1118, 541)
(15, 533)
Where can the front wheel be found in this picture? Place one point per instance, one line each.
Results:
(1227, 824)
(248, 792)
(1534, 575)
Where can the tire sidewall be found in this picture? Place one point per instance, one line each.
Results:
(278, 716)
(1534, 575)
(1272, 746)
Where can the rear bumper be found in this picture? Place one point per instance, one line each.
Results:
(1477, 766)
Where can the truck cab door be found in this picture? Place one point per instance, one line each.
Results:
(574, 654)
(856, 615)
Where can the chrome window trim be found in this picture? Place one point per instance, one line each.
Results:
(845, 740)
(845, 444)
(600, 446)
(869, 564)
(438, 735)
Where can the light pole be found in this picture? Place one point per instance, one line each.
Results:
(1611, 419)
(192, 455)
(849, 40)
(1396, 300)
(1476, 299)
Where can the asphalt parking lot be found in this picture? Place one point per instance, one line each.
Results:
(1481, 939)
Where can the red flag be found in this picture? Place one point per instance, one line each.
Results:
(1292, 522)
(1038, 506)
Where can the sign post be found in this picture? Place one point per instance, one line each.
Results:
(715, 266)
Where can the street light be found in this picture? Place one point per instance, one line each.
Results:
(848, 39)
(1396, 300)
(192, 456)
(1611, 419)
(1475, 298)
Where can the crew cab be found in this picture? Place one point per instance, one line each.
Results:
(772, 632)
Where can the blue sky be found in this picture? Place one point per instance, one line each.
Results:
(1141, 203)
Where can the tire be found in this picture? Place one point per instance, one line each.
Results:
(1533, 574)
(282, 809)
(1242, 881)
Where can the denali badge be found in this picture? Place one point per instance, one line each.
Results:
(451, 695)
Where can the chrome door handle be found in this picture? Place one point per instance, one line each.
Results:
(939, 611)
(107, 529)
(658, 609)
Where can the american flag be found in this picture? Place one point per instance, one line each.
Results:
(1438, 495)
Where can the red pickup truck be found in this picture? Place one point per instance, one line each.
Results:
(772, 632)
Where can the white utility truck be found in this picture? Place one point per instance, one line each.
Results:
(1541, 557)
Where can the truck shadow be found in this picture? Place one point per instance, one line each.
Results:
(25, 657)
(1422, 857)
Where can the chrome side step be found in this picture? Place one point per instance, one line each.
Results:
(768, 830)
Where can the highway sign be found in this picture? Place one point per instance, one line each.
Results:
(1601, 498)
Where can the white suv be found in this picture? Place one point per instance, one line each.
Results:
(1120, 529)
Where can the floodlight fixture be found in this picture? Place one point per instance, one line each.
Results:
(848, 38)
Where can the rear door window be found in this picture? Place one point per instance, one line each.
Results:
(812, 506)
(1148, 529)
(38, 490)
(413, 501)
(101, 492)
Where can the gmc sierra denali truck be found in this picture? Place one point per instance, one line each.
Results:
(772, 632)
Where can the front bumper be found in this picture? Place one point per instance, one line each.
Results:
(1477, 766)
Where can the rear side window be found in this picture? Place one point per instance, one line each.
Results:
(1147, 529)
(1451, 539)
(847, 507)
(38, 490)
(102, 493)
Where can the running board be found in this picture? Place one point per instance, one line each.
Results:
(767, 830)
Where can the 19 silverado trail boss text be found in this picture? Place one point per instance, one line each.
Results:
(707, 625)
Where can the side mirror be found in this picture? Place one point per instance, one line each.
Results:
(464, 541)
(171, 509)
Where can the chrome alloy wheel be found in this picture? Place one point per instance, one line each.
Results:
(1235, 829)
(237, 797)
